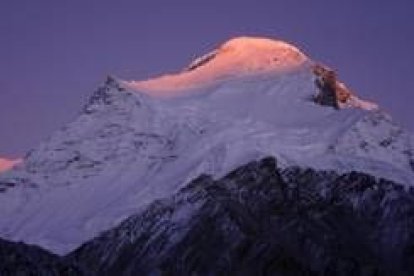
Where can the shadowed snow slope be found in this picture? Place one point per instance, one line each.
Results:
(135, 142)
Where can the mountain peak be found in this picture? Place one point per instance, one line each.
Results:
(241, 56)
(251, 54)
(247, 56)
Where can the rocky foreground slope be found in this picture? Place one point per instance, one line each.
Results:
(261, 220)
(21, 259)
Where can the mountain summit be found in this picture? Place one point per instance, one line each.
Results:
(250, 56)
(237, 57)
(138, 141)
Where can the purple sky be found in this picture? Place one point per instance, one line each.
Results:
(53, 54)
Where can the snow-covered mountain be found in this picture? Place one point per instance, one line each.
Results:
(137, 141)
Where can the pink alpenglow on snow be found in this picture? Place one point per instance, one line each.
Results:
(240, 56)
(247, 56)
(6, 164)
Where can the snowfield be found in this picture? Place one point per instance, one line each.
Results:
(135, 142)
(6, 164)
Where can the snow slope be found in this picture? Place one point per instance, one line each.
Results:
(7, 164)
(135, 142)
(237, 57)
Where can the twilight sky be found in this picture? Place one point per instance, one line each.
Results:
(54, 54)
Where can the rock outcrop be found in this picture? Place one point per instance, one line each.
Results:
(332, 92)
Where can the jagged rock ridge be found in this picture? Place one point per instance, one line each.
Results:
(263, 220)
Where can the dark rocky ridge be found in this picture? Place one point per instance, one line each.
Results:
(22, 259)
(257, 220)
(261, 220)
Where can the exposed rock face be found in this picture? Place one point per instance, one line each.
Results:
(261, 220)
(21, 259)
(332, 92)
